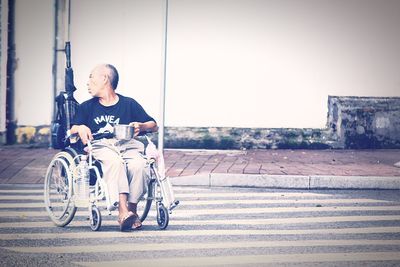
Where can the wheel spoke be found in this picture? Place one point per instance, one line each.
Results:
(58, 188)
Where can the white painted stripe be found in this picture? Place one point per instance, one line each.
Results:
(23, 205)
(252, 259)
(40, 191)
(195, 212)
(228, 201)
(22, 197)
(198, 195)
(129, 247)
(22, 191)
(274, 221)
(169, 233)
(279, 201)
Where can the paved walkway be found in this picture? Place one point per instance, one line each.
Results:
(284, 162)
(28, 165)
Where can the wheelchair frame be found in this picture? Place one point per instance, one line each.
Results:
(59, 195)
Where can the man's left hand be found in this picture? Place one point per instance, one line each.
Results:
(136, 126)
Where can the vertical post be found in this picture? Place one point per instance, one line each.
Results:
(11, 124)
(60, 10)
(54, 66)
(3, 69)
(163, 80)
(68, 19)
(61, 34)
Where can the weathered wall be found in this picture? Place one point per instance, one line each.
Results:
(212, 138)
(245, 138)
(353, 122)
(364, 122)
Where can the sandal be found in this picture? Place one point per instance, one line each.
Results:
(126, 223)
(137, 224)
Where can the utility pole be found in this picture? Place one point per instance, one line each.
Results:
(10, 111)
(61, 35)
(163, 80)
(3, 69)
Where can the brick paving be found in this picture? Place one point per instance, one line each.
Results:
(285, 162)
(28, 165)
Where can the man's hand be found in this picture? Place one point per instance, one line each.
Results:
(137, 127)
(148, 126)
(84, 133)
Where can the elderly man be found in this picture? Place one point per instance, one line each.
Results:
(126, 184)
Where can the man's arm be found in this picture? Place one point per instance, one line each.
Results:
(148, 126)
(83, 131)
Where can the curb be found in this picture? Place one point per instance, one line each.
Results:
(289, 181)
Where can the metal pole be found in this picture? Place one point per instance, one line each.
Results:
(3, 68)
(163, 82)
(54, 67)
(11, 123)
(68, 13)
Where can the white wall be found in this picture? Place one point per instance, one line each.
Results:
(243, 63)
(33, 79)
(127, 34)
(257, 63)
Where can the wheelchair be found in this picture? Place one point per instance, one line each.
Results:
(60, 189)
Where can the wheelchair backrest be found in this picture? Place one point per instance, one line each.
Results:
(66, 106)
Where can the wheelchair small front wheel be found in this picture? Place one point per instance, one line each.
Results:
(95, 219)
(162, 216)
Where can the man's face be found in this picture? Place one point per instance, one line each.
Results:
(96, 82)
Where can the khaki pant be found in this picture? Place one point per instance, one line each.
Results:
(124, 168)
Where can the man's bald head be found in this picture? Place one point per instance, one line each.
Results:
(110, 71)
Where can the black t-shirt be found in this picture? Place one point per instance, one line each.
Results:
(99, 118)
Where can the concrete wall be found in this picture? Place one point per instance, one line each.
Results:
(34, 55)
(353, 122)
(361, 122)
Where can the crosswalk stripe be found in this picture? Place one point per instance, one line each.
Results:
(252, 259)
(196, 195)
(124, 247)
(22, 191)
(274, 221)
(231, 232)
(279, 201)
(196, 212)
(40, 191)
(230, 201)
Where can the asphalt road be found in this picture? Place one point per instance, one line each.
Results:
(213, 226)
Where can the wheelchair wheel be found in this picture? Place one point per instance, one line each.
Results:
(58, 189)
(144, 204)
(162, 216)
(95, 221)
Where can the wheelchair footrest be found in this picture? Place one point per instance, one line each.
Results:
(173, 205)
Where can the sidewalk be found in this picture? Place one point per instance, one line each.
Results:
(306, 169)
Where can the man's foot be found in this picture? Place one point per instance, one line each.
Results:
(126, 221)
(137, 224)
